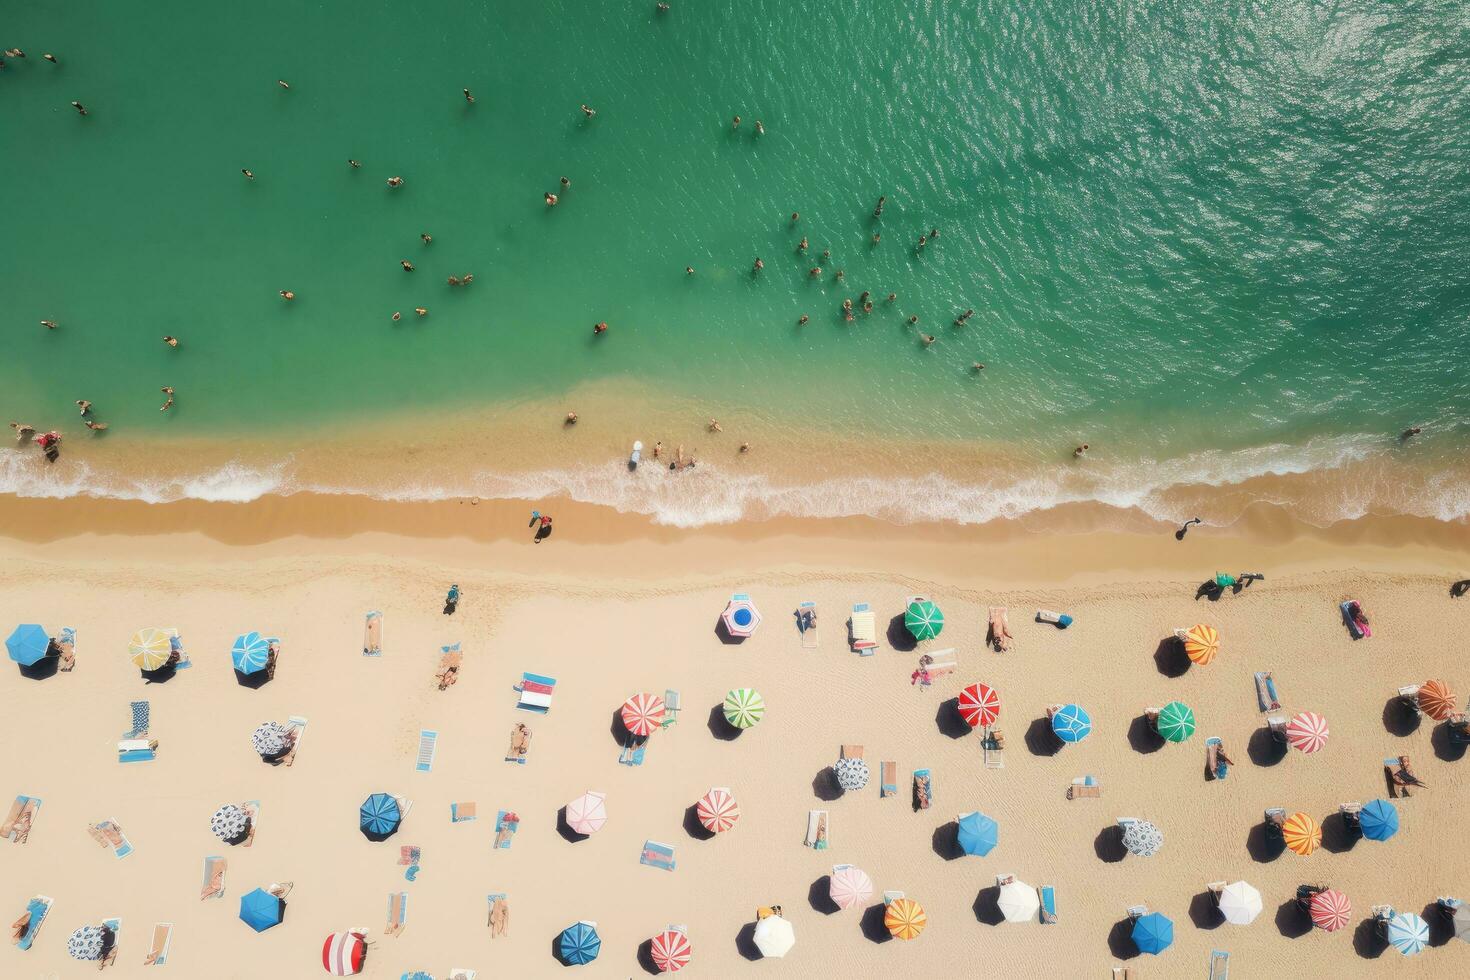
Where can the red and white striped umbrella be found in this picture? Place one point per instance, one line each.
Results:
(1330, 910)
(671, 951)
(717, 810)
(343, 953)
(979, 705)
(1307, 731)
(642, 713)
(850, 886)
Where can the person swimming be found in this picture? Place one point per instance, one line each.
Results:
(23, 431)
(421, 311)
(599, 328)
(354, 164)
(397, 316)
(689, 270)
(286, 294)
(454, 280)
(760, 128)
(171, 341)
(49, 324)
(735, 123)
(426, 238)
(395, 181)
(913, 319)
(84, 405)
(550, 199)
(802, 245)
(878, 209)
(407, 265)
(248, 174)
(759, 265)
(801, 322)
(588, 111)
(170, 393)
(566, 182)
(94, 426)
(468, 97)
(81, 109)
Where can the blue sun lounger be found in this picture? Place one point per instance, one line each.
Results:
(428, 744)
(1048, 904)
(37, 907)
(135, 750)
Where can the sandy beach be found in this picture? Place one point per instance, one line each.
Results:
(610, 609)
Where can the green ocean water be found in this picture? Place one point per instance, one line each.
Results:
(1233, 229)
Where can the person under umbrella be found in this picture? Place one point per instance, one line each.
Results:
(1239, 903)
(1017, 901)
(1378, 820)
(977, 833)
(1153, 933)
(344, 953)
(234, 823)
(1407, 933)
(904, 918)
(275, 742)
(1329, 909)
(1070, 723)
(979, 706)
(744, 708)
(774, 936)
(717, 810)
(96, 943)
(379, 816)
(642, 714)
(263, 908)
(923, 619)
(1142, 838)
(587, 813)
(29, 644)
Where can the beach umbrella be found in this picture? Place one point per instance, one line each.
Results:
(1240, 903)
(1153, 933)
(379, 815)
(260, 910)
(1301, 833)
(774, 936)
(28, 644)
(1462, 923)
(1437, 700)
(1330, 910)
(979, 705)
(642, 713)
(269, 739)
(741, 617)
(250, 652)
(1307, 731)
(1379, 820)
(904, 918)
(978, 834)
(744, 707)
(717, 810)
(849, 886)
(671, 951)
(343, 953)
(1176, 721)
(851, 773)
(1142, 838)
(579, 943)
(587, 813)
(923, 619)
(1201, 643)
(229, 822)
(1071, 723)
(1018, 902)
(149, 648)
(1408, 933)
(86, 943)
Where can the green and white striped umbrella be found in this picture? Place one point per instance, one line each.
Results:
(744, 706)
(923, 619)
(1176, 721)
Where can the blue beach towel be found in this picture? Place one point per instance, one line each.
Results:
(38, 910)
(140, 711)
(657, 855)
(428, 744)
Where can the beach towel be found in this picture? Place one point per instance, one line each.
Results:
(887, 779)
(163, 934)
(632, 752)
(657, 855)
(17, 825)
(923, 789)
(1084, 787)
(864, 628)
(463, 812)
(372, 635)
(140, 711)
(397, 912)
(409, 854)
(1219, 965)
(451, 661)
(1048, 897)
(506, 825)
(298, 722)
(806, 622)
(499, 918)
(428, 743)
(214, 877)
(137, 750)
(66, 641)
(536, 691)
(107, 833)
(520, 744)
(818, 830)
(36, 908)
(1266, 692)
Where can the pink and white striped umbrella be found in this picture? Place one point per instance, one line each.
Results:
(1330, 910)
(979, 705)
(717, 810)
(850, 886)
(1307, 731)
(671, 951)
(642, 713)
(587, 813)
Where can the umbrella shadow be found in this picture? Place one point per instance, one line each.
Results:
(1120, 940)
(1336, 837)
(987, 907)
(1142, 737)
(725, 636)
(1261, 846)
(645, 958)
(253, 681)
(1170, 658)
(162, 675)
(899, 637)
(1291, 921)
(825, 786)
(1041, 739)
(1108, 845)
(745, 942)
(565, 829)
(41, 669)
(1445, 748)
(693, 827)
(1210, 590)
(1441, 927)
(556, 950)
(819, 896)
(946, 841)
(872, 924)
(949, 721)
(1263, 748)
(376, 838)
(1367, 943)
(1203, 911)
(618, 730)
(719, 726)
(1399, 719)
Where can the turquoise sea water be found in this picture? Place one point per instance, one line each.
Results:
(1184, 228)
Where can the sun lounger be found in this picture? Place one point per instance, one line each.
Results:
(506, 825)
(1048, 896)
(806, 623)
(520, 744)
(66, 642)
(137, 750)
(887, 779)
(397, 912)
(817, 830)
(536, 691)
(163, 934)
(107, 833)
(1277, 725)
(1409, 695)
(463, 812)
(1400, 775)
(1084, 787)
(671, 708)
(372, 635)
(923, 789)
(213, 885)
(993, 747)
(863, 627)
(37, 908)
(297, 723)
(139, 712)
(1217, 763)
(1219, 965)
(1266, 692)
(499, 917)
(657, 855)
(998, 632)
(1275, 819)
(17, 825)
(428, 745)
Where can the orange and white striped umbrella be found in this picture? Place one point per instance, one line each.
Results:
(1307, 731)
(671, 951)
(717, 810)
(1201, 643)
(642, 713)
(1301, 833)
(905, 918)
(1437, 700)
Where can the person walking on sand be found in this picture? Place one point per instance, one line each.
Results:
(571, 419)
(1184, 528)
(658, 448)
(170, 393)
(171, 341)
(84, 405)
(745, 447)
(543, 529)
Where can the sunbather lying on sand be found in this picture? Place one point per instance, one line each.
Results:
(216, 883)
(448, 671)
(499, 918)
(520, 743)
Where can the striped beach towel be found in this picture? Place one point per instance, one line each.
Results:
(428, 744)
(657, 855)
(536, 691)
(135, 750)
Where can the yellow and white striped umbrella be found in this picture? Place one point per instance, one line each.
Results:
(149, 647)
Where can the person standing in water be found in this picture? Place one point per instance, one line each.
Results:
(759, 265)
(171, 341)
(1080, 451)
(588, 111)
(84, 405)
(81, 109)
(1410, 433)
(468, 97)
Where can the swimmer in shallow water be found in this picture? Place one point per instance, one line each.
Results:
(171, 341)
(170, 393)
(286, 294)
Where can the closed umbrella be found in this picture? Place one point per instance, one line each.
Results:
(979, 705)
(978, 834)
(642, 713)
(923, 619)
(579, 943)
(744, 707)
(774, 936)
(1437, 700)
(1301, 833)
(1018, 902)
(260, 910)
(1408, 933)
(1307, 731)
(1240, 903)
(849, 887)
(250, 652)
(379, 816)
(343, 954)
(671, 951)
(28, 644)
(229, 822)
(587, 813)
(1330, 910)
(852, 774)
(717, 810)
(1153, 933)
(86, 943)
(1201, 643)
(1176, 721)
(904, 918)
(149, 648)
(1071, 723)
(269, 739)
(1379, 820)
(1142, 838)
(741, 617)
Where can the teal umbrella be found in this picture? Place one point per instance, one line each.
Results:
(923, 619)
(1176, 721)
(978, 834)
(579, 943)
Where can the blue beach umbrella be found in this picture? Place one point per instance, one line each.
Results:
(379, 816)
(28, 644)
(1408, 933)
(1071, 723)
(579, 943)
(978, 834)
(1379, 820)
(250, 652)
(1153, 933)
(260, 910)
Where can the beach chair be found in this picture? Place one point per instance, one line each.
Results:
(891, 896)
(1266, 692)
(536, 691)
(137, 750)
(213, 885)
(923, 789)
(18, 822)
(1351, 818)
(1217, 763)
(998, 631)
(993, 748)
(463, 812)
(1381, 915)
(887, 779)
(372, 635)
(657, 855)
(1219, 964)
(428, 745)
(1084, 788)
(1277, 725)
(163, 934)
(297, 724)
(671, 708)
(499, 920)
(37, 908)
(397, 913)
(806, 623)
(1275, 819)
(818, 830)
(1448, 906)
(863, 630)
(140, 713)
(1048, 896)
(1409, 695)
(1136, 912)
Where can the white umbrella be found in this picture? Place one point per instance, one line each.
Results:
(269, 739)
(774, 936)
(1142, 838)
(229, 822)
(86, 943)
(1240, 903)
(1018, 902)
(852, 773)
